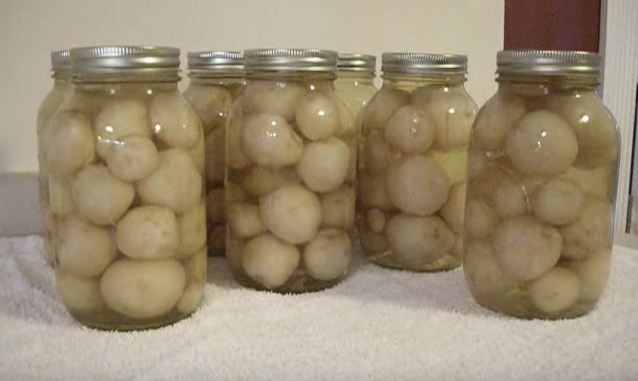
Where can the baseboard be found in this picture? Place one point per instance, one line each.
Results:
(19, 207)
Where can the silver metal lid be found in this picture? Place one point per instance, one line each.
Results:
(280, 59)
(123, 58)
(548, 62)
(423, 63)
(61, 60)
(201, 63)
(356, 62)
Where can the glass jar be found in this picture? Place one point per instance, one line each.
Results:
(412, 170)
(125, 159)
(216, 79)
(60, 66)
(354, 83)
(541, 188)
(290, 171)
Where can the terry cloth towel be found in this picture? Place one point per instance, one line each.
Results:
(377, 325)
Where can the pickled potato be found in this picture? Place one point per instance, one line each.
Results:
(173, 121)
(483, 272)
(148, 232)
(499, 115)
(192, 230)
(269, 261)
(236, 157)
(71, 144)
(591, 232)
(327, 255)
(385, 103)
(410, 129)
(60, 200)
(480, 219)
(210, 103)
(346, 119)
(132, 158)
(324, 165)
(316, 116)
(372, 192)
(338, 208)
(375, 218)
(559, 201)
(556, 290)
(119, 118)
(278, 98)
(592, 272)
(417, 240)
(268, 140)
(244, 220)
(453, 210)
(79, 293)
(191, 298)
(215, 145)
(377, 155)
(261, 180)
(83, 249)
(373, 243)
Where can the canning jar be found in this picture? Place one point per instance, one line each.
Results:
(541, 188)
(60, 67)
(413, 163)
(290, 171)
(216, 79)
(354, 83)
(125, 159)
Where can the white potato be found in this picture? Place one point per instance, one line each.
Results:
(555, 290)
(591, 232)
(260, 180)
(196, 267)
(597, 182)
(338, 208)
(496, 119)
(292, 213)
(235, 155)
(269, 261)
(71, 143)
(480, 219)
(244, 220)
(324, 165)
(191, 298)
(592, 273)
(142, 289)
(216, 206)
(198, 155)
(215, 156)
(132, 158)
(216, 239)
(346, 117)
(410, 129)
(457, 248)
(507, 196)
(377, 155)
(175, 183)
(371, 242)
(381, 107)
(453, 162)
(328, 255)
(372, 192)
(483, 273)
(192, 230)
(117, 119)
(148, 232)
(417, 185)
(279, 98)
(542, 144)
(418, 240)
(525, 248)
(559, 201)
(210, 103)
(82, 248)
(269, 140)
(174, 122)
(477, 163)
(60, 199)
(453, 211)
(375, 219)
(316, 116)
(79, 293)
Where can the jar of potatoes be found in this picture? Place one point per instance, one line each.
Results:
(541, 188)
(354, 83)
(412, 170)
(216, 80)
(125, 159)
(290, 171)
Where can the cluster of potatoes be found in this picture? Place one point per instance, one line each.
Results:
(125, 180)
(211, 101)
(290, 198)
(412, 176)
(539, 210)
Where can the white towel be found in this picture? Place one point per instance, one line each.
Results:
(377, 325)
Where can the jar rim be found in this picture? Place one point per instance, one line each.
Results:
(215, 63)
(423, 63)
(126, 59)
(549, 63)
(290, 59)
(356, 62)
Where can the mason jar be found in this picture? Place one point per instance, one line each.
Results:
(60, 68)
(125, 160)
(411, 183)
(216, 79)
(541, 188)
(290, 172)
(354, 83)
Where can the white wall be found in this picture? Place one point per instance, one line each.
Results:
(29, 29)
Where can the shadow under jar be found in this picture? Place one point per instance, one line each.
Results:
(411, 176)
(541, 189)
(216, 80)
(126, 161)
(290, 172)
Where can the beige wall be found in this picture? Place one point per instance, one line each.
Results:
(29, 29)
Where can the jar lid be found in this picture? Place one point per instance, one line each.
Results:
(548, 62)
(356, 62)
(215, 62)
(283, 59)
(60, 60)
(124, 58)
(423, 63)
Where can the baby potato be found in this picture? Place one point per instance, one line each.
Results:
(542, 144)
(483, 273)
(269, 261)
(410, 129)
(292, 213)
(508, 196)
(559, 201)
(457, 248)
(592, 273)
(100, 196)
(346, 119)
(60, 200)
(555, 290)
(372, 192)
(198, 155)
(215, 156)
(195, 267)
(377, 155)
(371, 242)
(381, 107)
(260, 180)
(244, 220)
(525, 248)
(83, 249)
(591, 232)
(328, 255)
(79, 293)
(216, 206)
(275, 98)
(210, 103)
(192, 230)
(316, 116)
(142, 289)
(453, 211)
(270, 141)
(175, 183)
(417, 185)
(235, 155)
(174, 122)
(120, 118)
(499, 115)
(453, 162)
(324, 165)
(132, 158)
(480, 219)
(191, 298)
(597, 182)
(338, 208)
(148, 232)
(418, 240)
(375, 219)
(477, 163)
(71, 143)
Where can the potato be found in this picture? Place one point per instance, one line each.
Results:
(60, 200)
(417, 185)
(453, 162)
(480, 219)
(338, 208)
(174, 122)
(278, 98)
(196, 267)
(191, 298)
(592, 273)
(292, 213)
(260, 180)
(507, 196)
(375, 219)
(598, 182)
(234, 193)
(418, 240)
(132, 158)
(381, 107)
(71, 143)
(175, 183)
(559, 201)
(377, 155)
(316, 116)
(324, 165)
(244, 220)
(79, 293)
(192, 230)
(82, 248)
(148, 232)
(591, 233)
(119, 118)
(372, 192)
(555, 290)
(457, 248)
(499, 115)
(216, 206)
(542, 144)
(100, 196)
(235, 155)
(371, 242)
(269, 261)
(453, 211)
(328, 255)
(215, 156)
(270, 141)
(198, 155)
(142, 289)
(410, 129)
(477, 163)
(210, 103)
(525, 248)
(483, 273)
(346, 119)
